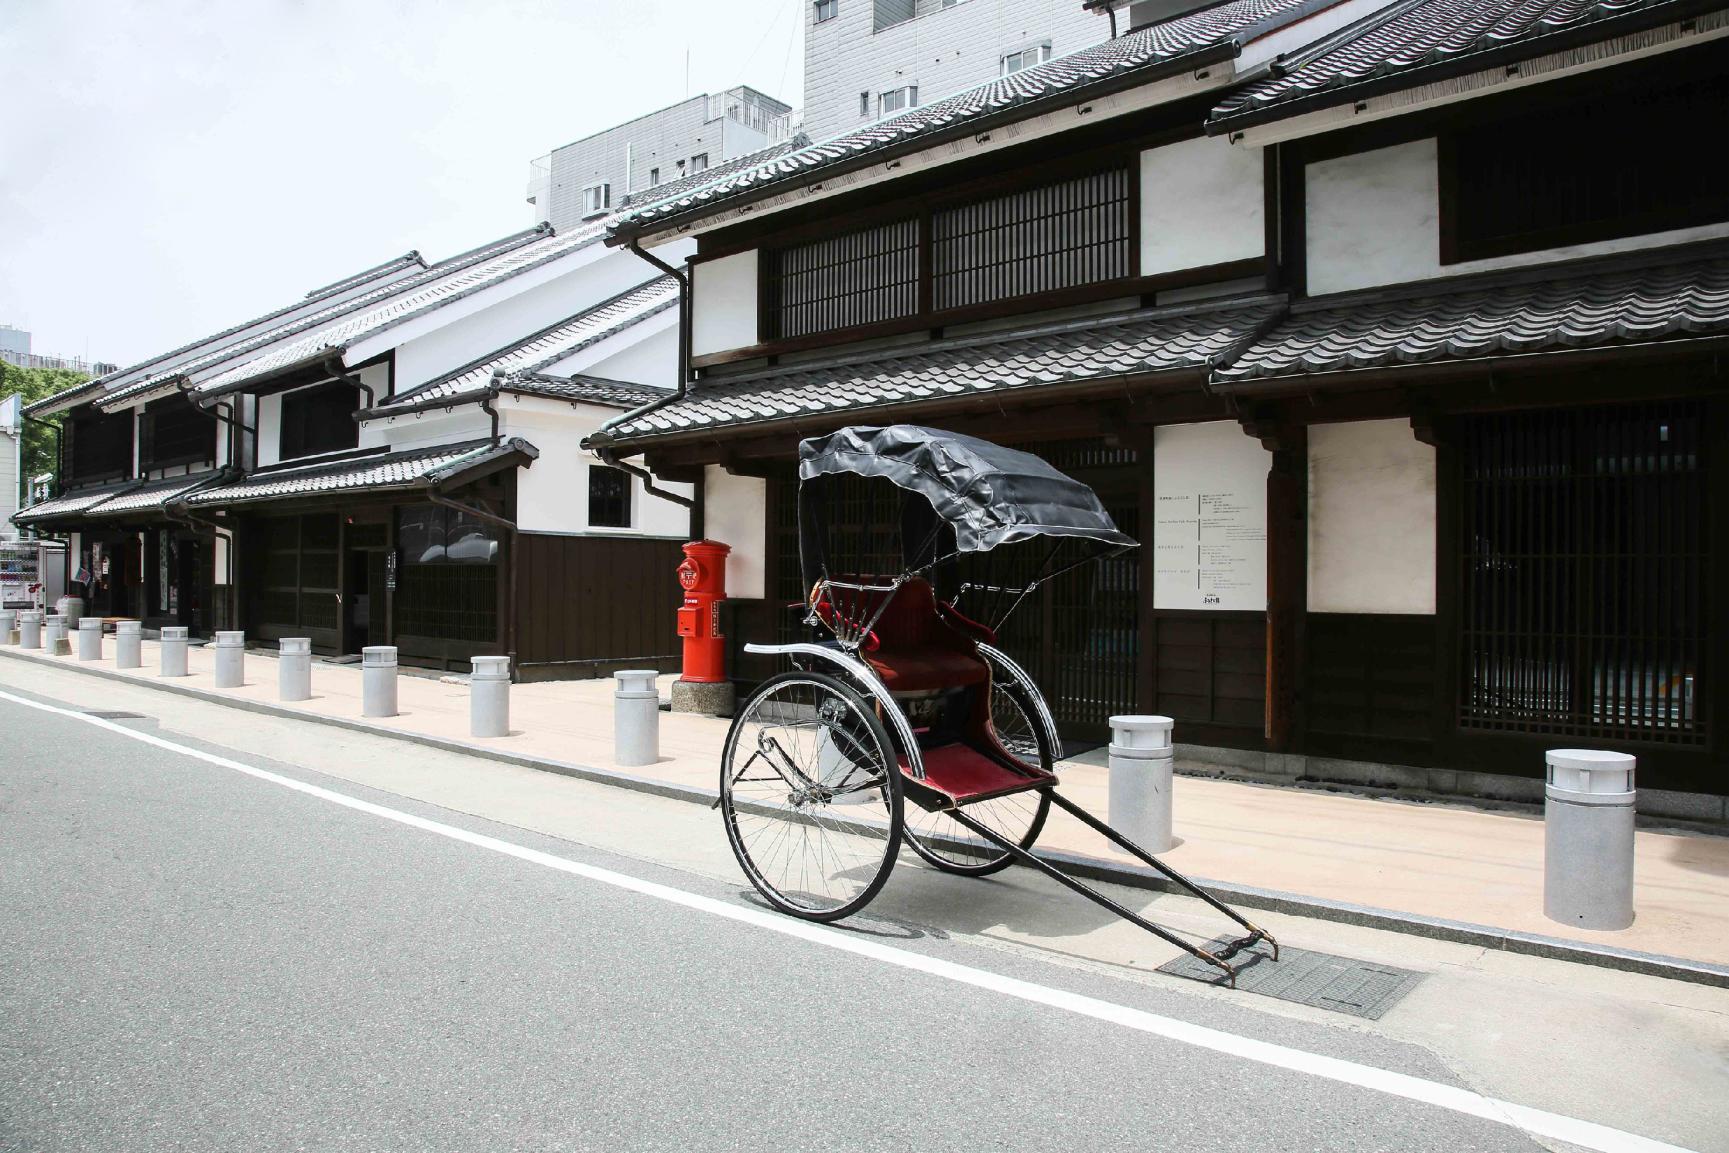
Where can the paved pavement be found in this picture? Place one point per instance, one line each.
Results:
(1434, 860)
(192, 958)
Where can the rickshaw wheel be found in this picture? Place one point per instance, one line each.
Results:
(810, 791)
(1018, 817)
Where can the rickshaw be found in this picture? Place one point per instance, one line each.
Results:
(903, 719)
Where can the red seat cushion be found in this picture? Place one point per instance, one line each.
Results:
(966, 775)
(917, 651)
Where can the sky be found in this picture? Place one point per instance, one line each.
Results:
(169, 168)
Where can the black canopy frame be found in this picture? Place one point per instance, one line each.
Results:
(963, 498)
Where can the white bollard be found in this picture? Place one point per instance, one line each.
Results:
(72, 608)
(8, 626)
(90, 639)
(489, 697)
(294, 669)
(230, 670)
(378, 681)
(635, 718)
(174, 651)
(1141, 754)
(128, 644)
(54, 637)
(29, 629)
(1588, 819)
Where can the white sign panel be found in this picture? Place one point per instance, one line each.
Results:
(1209, 517)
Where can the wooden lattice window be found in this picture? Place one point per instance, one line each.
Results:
(1583, 574)
(857, 278)
(176, 432)
(1059, 235)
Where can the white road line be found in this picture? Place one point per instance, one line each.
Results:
(1536, 1122)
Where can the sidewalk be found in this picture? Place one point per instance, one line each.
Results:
(1431, 860)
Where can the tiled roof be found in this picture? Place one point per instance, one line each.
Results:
(151, 495)
(414, 469)
(388, 272)
(403, 306)
(1139, 56)
(71, 504)
(1600, 304)
(674, 189)
(1155, 341)
(551, 345)
(589, 389)
(1421, 41)
(166, 379)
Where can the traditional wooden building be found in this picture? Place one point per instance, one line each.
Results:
(1391, 330)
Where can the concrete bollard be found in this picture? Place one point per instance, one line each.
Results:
(1140, 780)
(635, 718)
(8, 626)
(174, 651)
(29, 629)
(72, 608)
(294, 669)
(230, 670)
(378, 681)
(128, 644)
(55, 639)
(90, 639)
(489, 697)
(1588, 818)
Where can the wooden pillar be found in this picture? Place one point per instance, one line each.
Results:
(1287, 574)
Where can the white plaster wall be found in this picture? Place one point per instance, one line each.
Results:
(552, 494)
(465, 335)
(269, 431)
(1371, 519)
(735, 512)
(1374, 218)
(644, 353)
(425, 429)
(1202, 202)
(723, 300)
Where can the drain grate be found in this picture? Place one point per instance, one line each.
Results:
(103, 715)
(1341, 984)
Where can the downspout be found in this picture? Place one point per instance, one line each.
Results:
(438, 498)
(683, 313)
(610, 456)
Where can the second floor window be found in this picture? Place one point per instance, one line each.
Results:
(653, 177)
(699, 162)
(860, 277)
(175, 432)
(608, 497)
(319, 419)
(896, 99)
(98, 446)
(596, 199)
(824, 10)
(1026, 58)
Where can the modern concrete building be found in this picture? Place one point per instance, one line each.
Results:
(588, 178)
(15, 349)
(864, 59)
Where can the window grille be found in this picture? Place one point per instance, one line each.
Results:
(320, 419)
(1584, 569)
(857, 278)
(1059, 235)
(608, 497)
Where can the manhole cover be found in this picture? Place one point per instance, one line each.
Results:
(103, 715)
(1342, 984)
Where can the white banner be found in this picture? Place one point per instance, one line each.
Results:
(1209, 517)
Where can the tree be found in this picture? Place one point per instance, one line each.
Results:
(40, 436)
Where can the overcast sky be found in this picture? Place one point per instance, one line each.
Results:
(171, 167)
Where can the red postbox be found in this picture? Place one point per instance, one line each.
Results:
(703, 575)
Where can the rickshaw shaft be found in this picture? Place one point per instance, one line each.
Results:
(1098, 826)
(1092, 894)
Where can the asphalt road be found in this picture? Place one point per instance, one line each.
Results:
(193, 958)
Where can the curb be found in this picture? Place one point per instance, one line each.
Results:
(1090, 868)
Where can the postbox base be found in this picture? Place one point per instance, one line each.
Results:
(711, 698)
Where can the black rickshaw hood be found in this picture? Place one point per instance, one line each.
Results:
(988, 494)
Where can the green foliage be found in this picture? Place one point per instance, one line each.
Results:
(37, 384)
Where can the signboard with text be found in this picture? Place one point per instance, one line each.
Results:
(1209, 518)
